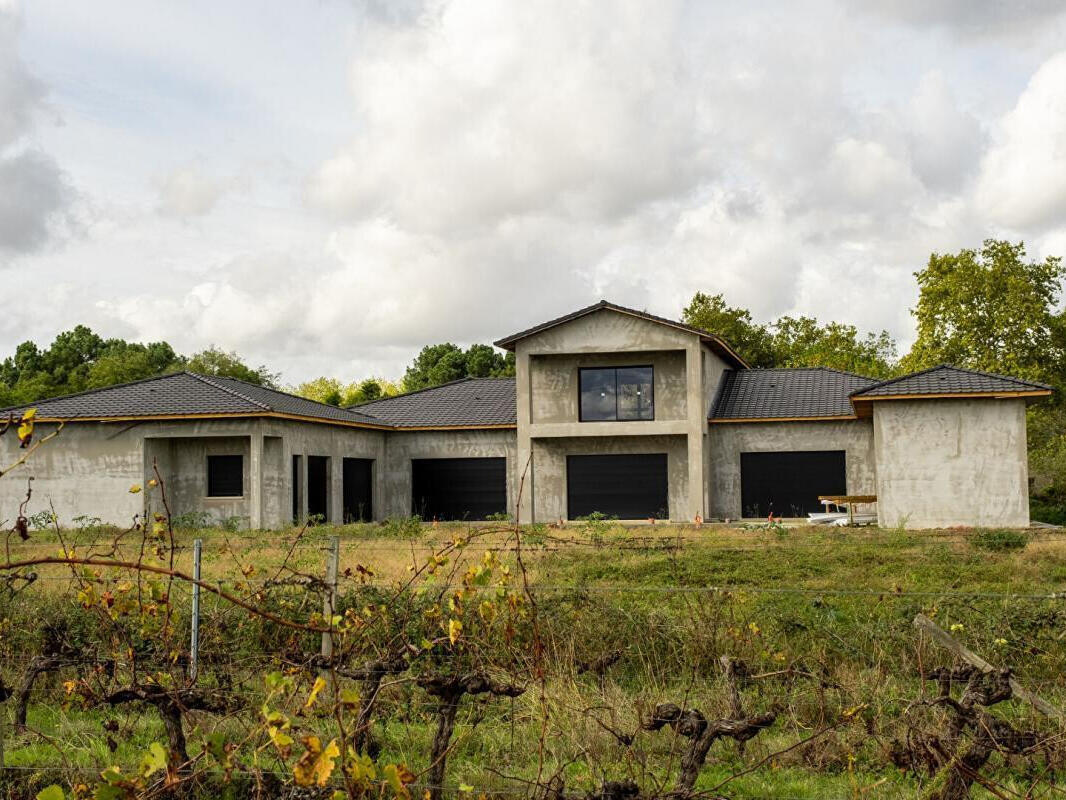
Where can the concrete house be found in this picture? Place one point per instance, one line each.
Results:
(612, 410)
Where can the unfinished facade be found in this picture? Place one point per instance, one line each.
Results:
(612, 410)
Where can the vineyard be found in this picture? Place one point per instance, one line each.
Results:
(403, 660)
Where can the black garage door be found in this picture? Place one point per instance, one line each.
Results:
(622, 486)
(458, 488)
(788, 484)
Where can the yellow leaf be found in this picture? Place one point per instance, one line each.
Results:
(135, 489)
(28, 414)
(320, 684)
(316, 764)
(154, 760)
(398, 776)
(455, 630)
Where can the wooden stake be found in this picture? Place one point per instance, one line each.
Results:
(945, 639)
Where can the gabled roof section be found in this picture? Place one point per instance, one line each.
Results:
(465, 403)
(717, 343)
(948, 381)
(188, 394)
(779, 395)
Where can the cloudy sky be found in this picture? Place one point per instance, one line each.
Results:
(325, 186)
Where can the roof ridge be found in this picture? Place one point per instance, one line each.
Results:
(464, 379)
(208, 380)
(83, 392)
(606, 304)
(1010, 378)
(945, 365)
(282, 392)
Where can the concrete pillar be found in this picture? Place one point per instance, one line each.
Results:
(335, 480)
(697, 425)
(255, 480)
(303, 487)
(523, 462)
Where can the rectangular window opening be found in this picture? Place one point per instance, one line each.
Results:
(622, 394)
(225, 476)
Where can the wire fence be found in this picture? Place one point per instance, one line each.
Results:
(315, 565)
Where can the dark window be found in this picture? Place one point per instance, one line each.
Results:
(358, 489)
(617, 393)
(297, 480)
(225, 476)
(318, 480)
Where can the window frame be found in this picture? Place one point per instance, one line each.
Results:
(616, 370)
(207, 476)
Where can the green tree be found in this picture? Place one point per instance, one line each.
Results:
(805, 342)
(323, 390)
(991, 309)
(214, 361)
(793, 341)
(442, 363)
(750, 339)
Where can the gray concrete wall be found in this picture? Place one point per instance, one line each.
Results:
(402, 446)
(728, 441)
(549, 460)
(555, 385)
(686, 376)
(87, 470)
(944, 463)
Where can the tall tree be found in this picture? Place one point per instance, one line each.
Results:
(214, 361)
(751, 340)
(793, 341)
(805, 342)
(441, 363)
(991, 309)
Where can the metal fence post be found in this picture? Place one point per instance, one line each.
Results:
(194, 643)
(329, 599)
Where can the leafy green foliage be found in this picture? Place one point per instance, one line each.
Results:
(793, 341)
(1000, 540)
(332, 392)
(442, 363)
(214, 361)
(750, 339)
(79, 359)
(991, 310)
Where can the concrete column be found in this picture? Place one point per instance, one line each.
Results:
(335, 466)
(523, 462)
(255, 480)
(303, 487)
(697, 425)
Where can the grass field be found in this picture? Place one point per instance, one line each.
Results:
(825, 613)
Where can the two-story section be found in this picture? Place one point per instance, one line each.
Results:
(612, 415)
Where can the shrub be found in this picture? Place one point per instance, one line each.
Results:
(1000, 540)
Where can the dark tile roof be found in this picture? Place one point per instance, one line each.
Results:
(468, 402)
(946, 379)
(718, 344)
(786, 393)
(186, 394)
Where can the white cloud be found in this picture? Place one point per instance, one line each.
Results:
(1023, 177)
(189, 192)
(460, 169)
(33, 190)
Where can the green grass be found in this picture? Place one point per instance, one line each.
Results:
(835, 603)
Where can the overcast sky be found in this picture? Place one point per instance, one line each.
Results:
(326, 186)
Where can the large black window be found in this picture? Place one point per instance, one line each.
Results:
(617, 393)
(225, 476)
